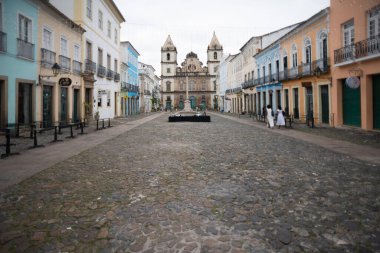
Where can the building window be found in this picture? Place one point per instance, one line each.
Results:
(348, 33)
(25, 28)
(89, 9)
(294, 56)
(109, 29)
(77, 53)
(1, 17)
(374, 22)
(88, 50)
(108, 61)
(100, 57)
(168, 70)
(115, 65)
(191, 85)
(322, 45)
(252, 74)
(116, 40)
(47, 39)
(307, 51)
(100, 98)
(181, 85)
(100, 20)
(168, 57)
(168, 86)
(108, 98)
(215, 55)
(64, 50)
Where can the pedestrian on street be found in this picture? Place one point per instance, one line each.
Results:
(270, 116)
(280, 117)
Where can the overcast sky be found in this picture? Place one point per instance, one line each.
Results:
(191, 23)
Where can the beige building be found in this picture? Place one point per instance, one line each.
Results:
(198, 80)
(59, 98)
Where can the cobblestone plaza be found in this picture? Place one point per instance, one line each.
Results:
(222, 186)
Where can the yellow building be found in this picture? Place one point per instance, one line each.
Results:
(305, 70)
(60, 97)
(355, 44)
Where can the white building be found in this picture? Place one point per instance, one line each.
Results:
(147, 82)
(100, 50)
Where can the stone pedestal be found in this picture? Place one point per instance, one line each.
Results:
(187, 106)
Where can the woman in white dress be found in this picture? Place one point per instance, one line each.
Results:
(270, 117)
(280, 117)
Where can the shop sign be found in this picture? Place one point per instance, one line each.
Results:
(64, 81)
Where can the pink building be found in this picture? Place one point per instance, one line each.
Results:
(355, 45)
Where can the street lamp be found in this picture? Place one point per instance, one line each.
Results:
(56, 70)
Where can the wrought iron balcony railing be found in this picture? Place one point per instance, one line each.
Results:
(47, 57)
(248, 84)
(77, 67)
(361, 49)
(89, 66)
(110, 74)
(306, 69)
(117, 77)
(147, 92)
(25, 49)
(101, 71)
(3, 42)
(129, 87)
(65, 63)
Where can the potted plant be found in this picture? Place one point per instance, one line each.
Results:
(97, 116)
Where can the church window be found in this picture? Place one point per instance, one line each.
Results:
(168, 84)
(168, 70)
(168, 57)
(215, 55)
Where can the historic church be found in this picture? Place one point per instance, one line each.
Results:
(199, 81)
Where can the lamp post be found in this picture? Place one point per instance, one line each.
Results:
(56, 70)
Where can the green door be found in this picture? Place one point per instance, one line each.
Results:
(47, 106)
(181, 105)
(351, 105)
(63, 104)
(76, 106)
(376, 101)
(192, 102)
(325, 103)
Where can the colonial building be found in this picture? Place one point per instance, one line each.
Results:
(18, 71)
(101, 43)
(355, 45)
(59, 45)
(191, 76)
(130, 104)
(147, 81)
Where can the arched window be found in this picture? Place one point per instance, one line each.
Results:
(322, 45)
(168, 86)
(191, 85)
(215, 55)
(168, 57)
(294, 56)
(307, 50)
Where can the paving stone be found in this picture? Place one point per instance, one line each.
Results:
(251, 190)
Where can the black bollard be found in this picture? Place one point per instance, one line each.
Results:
(35, 138)
(8, 142)
(109, 122)
(55, 133)
(97, 124)
(103, 123)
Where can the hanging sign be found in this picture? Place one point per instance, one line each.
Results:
(64, 81)
(353, 82)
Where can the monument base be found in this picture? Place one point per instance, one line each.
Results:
(187, 106)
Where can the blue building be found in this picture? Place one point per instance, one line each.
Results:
(18, 71)
(129, 86)
(268, 70)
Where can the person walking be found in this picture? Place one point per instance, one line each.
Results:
(280, 117)
(270, 116)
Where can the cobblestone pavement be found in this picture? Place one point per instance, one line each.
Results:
(196, 187)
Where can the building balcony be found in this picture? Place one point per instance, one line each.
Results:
(117, 77)
(77, 67)
(47, 57)
(147, 92)
(25, 49)
(248, 84)
(306, 69)
(3, 42)
(362, 50)
(65, 63)
(129, 87)
(89, 67)
(110, 74)
(101, 71)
